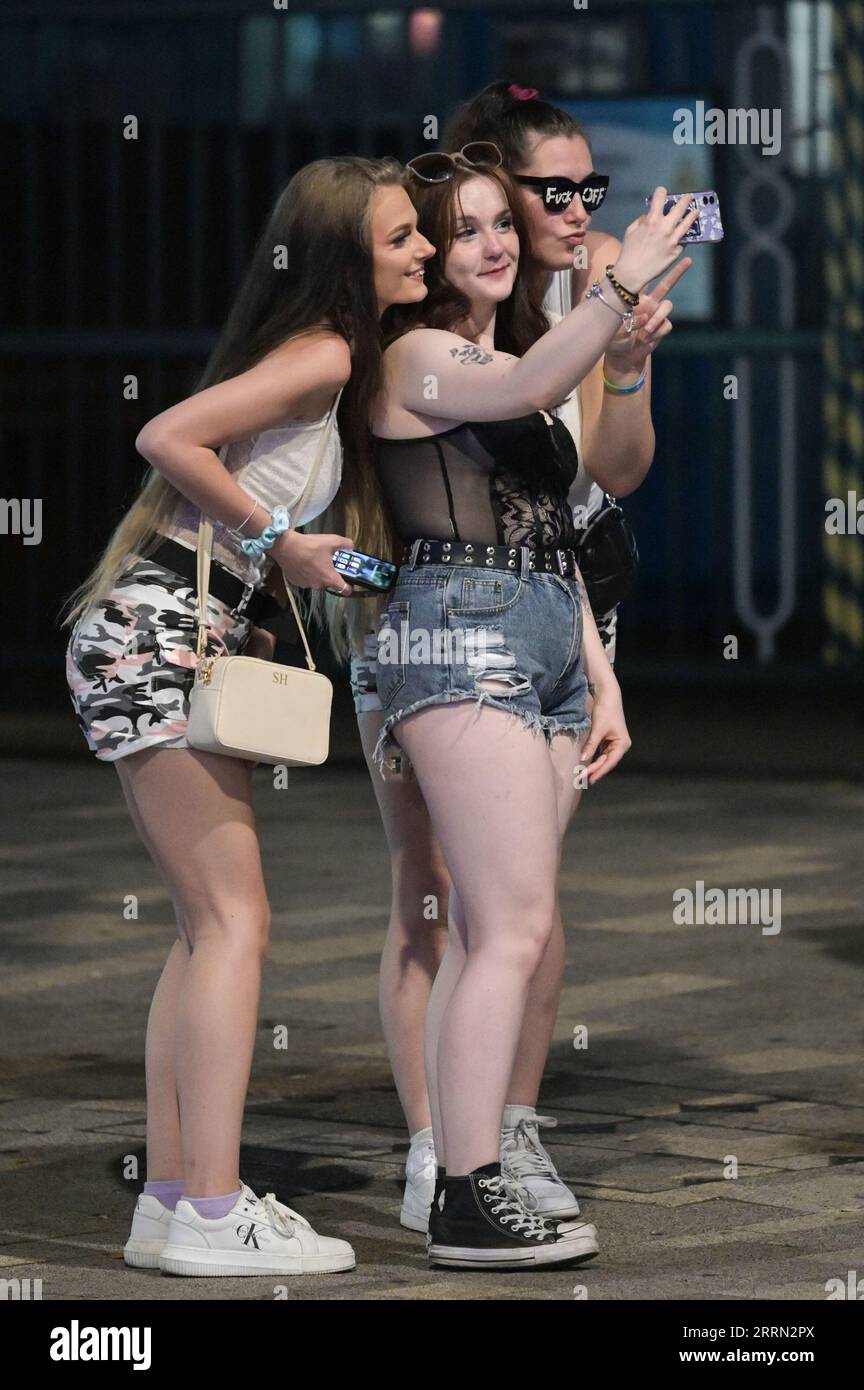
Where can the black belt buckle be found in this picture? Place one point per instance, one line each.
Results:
(562, 560)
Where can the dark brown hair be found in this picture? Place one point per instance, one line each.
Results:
(496, 114)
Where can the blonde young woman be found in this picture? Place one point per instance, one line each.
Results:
(613, 433)
(475, 475)
(336, 251)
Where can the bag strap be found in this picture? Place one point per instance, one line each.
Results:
(205, 544)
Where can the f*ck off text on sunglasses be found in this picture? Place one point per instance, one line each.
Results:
(558, 191)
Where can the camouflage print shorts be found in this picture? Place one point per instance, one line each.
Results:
(130, 662)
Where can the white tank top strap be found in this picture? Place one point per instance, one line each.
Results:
(273, 467)
(584, 493)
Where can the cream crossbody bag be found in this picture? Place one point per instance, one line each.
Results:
(246, 707)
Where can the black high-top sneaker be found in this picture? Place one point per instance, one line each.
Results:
(486, 1224)
(440, 1178)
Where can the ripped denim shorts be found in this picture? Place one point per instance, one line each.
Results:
(508, 638)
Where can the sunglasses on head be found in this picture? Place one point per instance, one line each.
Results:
(437, 165)
(558, 191)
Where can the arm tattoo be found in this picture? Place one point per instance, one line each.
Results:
(471, 353)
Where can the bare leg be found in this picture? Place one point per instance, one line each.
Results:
(446, 980)
(415, 941)
(414, 953)
(540, 1014)
(164, 1145)
(499, 834)
(196, 810)
(541, 1009)
(164, 1142)
(545, 994)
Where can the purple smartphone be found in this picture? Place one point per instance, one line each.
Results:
(707, 226)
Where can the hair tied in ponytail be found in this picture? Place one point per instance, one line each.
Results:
(522, 93)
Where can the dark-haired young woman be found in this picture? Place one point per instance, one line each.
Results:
(608, 415)
(337, 250)
(480, 649)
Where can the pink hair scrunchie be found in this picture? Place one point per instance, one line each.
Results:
(522, 93)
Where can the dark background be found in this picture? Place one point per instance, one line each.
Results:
(122, 257)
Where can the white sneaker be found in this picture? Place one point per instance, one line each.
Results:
(525, 1161)
(258, 1236)
(150, 1222)
(420, 1171)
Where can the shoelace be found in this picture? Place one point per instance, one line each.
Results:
(524, 1155)
(515, 1201)
(283, 1218)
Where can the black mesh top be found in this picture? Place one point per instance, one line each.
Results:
(501, 482)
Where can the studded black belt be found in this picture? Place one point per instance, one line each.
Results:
(500, 557)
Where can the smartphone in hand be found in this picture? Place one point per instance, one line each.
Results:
(707, 226)
(365, 571)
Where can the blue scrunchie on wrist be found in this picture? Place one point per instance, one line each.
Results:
(255, 546)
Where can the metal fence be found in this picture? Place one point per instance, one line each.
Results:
(144, 144)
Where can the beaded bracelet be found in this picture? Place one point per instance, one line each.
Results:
(256, 546)
(623, 390)
(629, 296)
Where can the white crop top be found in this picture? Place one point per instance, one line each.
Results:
(584, 492)
(273, 467)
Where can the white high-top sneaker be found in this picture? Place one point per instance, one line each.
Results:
(419, 1181)
(150, 1222)
(524, 1160)
(258, 1236)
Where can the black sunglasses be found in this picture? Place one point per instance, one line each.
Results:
(558, 191)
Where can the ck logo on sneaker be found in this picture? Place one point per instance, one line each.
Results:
(260, 1236)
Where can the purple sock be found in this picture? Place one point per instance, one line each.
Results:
(167, 1190)
(213, 1207)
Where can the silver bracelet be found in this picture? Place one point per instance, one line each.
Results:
(235, 530)
(596, 292)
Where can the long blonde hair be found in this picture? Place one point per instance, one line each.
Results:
(322, 219)
(360, 511)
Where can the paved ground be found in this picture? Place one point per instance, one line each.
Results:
(708, 1044)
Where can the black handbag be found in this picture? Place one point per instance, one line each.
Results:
(608, 558)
